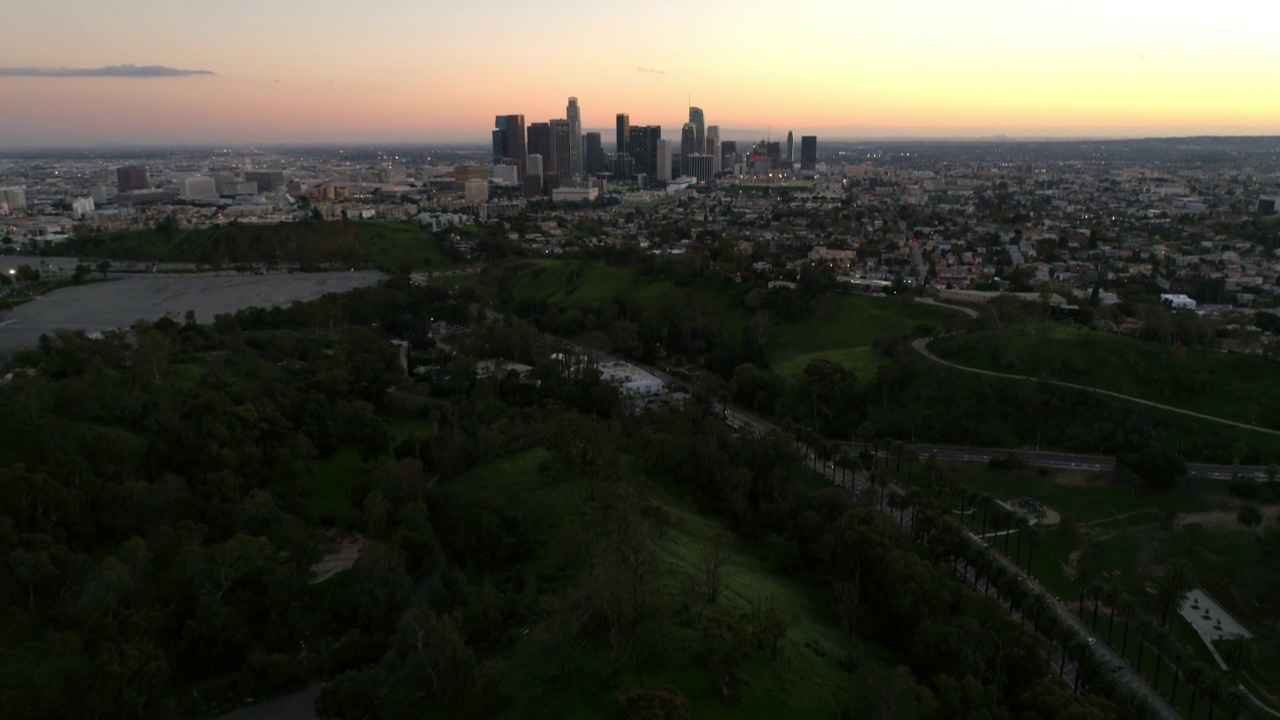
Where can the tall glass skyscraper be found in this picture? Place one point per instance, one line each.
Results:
(574, 115)
(699, 122)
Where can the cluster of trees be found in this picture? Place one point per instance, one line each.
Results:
(153, 505)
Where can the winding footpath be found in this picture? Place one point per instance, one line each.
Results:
(922, 346)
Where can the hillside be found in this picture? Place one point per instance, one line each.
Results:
(1243, 388)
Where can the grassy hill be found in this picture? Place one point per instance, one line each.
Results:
(556, 518)
(380, 245)
(846, 336)
(1243, 388)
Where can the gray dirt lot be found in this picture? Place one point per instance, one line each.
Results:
(119, 301)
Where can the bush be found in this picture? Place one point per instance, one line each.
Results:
(1246, 489)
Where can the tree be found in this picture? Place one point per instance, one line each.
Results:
(1250, 516)
(1157, 467)
(103, 266)
(1173, 587)
(1239, 654)
(712, 556)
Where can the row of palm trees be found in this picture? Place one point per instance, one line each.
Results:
(1217, 694)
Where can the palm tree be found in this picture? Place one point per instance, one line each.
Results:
(1196, 672)
(1127, 609)
(1236, 700)
(1033, 540)
(1175, 583)
(1239, 654)
(1111, 594)
(1250, 516)
(1159, 639)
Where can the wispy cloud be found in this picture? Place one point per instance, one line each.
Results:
(651, 70)
(113, 71)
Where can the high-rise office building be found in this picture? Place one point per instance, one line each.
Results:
(562, 141)
(624, 133)
(638, 144)
(532, 182)
(592, 154)
(132, 177)
(688, 145)
(699, 122)
(540, 143)
(728, 154)
(509, 140)
(574, 115)
(700, 167)
(809, 152)
(642, 143)
(663, 173)
(713, 136)
(791, 141)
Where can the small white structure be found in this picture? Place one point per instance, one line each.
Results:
(633, 382)
(568, 194)
(476, 191)
(82, 207)
(1178, 301)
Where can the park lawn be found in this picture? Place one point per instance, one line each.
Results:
(392, 245)
(846, 336)
(1231, 386)
(329, 488)
(807, 680)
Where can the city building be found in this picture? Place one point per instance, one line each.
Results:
(624, 134)
(593, 160)
(476, 191)
(574, 115)
(728, 154)
(562, 144)
(574, 194)
(809, 152)
(81, 207)
(463, 173)
(791, 142)
(509, 140)
(643, 144)
(699, 122)
(540, 144)
(199, 188)
(132, 177)
(700, 168)
(15, 198)
(688, 145)
(269, 181)
(663, 172)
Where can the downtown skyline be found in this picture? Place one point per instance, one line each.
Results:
(151, 74)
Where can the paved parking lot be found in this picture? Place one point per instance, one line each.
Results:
(121, 300)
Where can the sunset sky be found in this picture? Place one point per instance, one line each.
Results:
(425, 70)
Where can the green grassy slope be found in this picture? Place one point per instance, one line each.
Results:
(806, 681)
(846, 336)
(1243, 388)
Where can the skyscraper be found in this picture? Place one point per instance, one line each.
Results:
(509, 140)
(809, 152)
(132, 177)
(562, 141)
(540, 143)
(592, 154)
(575, 135)
(699, 122)
(791, 141)
(688, 145)
(624, 132)
(663, 173)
